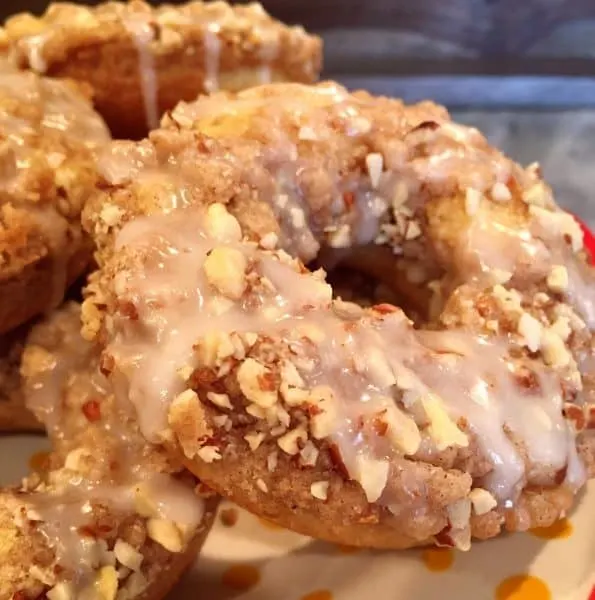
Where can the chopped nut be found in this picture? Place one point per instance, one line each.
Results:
(531, 331)
(135, 585)
(553, 349)
(293, 396)
(165, 533)
(319, 490)
(561, 327)
(262, 486)
(289, 442)
(61, 591)
(209, 454)
(111, 214)
(36, 360)
(459, 513)
(272, 460)
(483, 502)
(253, 377)
(220, 400)
(559, 223)
(214, 347)
(307, 133)
(372, 475)
(225, 269)
(254, 440)
(269, 241)
(400, 196)
(509, 299)
(500, 276)
(282, 415)
(222, 421)
(188, 420)
(340, 237)
(500, 192)
(324, 422)
(75, 457)
(472, 200)
(557, 280)
(442, 429)
(144, 504)
(298, 217)
(402, 430)
(43, 575)
(461, 538)
(375, 164)
(127, 555)
(256, 411)
(413, 231)
(221, 225)
(106, 583)
(309, 455)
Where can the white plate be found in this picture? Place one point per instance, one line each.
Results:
(252, 560)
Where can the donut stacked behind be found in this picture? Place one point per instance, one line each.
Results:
(341, 423)
(106, 516)
(48, 135)
(140, 61)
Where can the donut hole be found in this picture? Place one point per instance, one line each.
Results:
(369, 277)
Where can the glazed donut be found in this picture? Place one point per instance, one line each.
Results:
(349, 424)
(47, 138)
(141, 61)
(107, 516)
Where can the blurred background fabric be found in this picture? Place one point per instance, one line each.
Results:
(522, 71)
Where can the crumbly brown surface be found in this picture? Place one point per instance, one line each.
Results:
(140, 61)
(49, 132)
(345, 424)
(92, 517)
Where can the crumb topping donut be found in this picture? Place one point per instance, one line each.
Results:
(141, 60)
(344, 423)
(48, 136)
(108, 516)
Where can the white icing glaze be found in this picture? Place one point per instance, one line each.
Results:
(473, 376)
(67, 512)
(142, 33)
(34, 48)
(212, 46)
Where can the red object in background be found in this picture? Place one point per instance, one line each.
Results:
(589, 246)
(592, 595)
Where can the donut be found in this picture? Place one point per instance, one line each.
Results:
(355, 425)
(141, 61)
(48, 136)
(106, 515)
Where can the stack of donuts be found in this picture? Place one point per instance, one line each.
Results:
(182, 163)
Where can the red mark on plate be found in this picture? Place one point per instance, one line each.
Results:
(589, 239)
